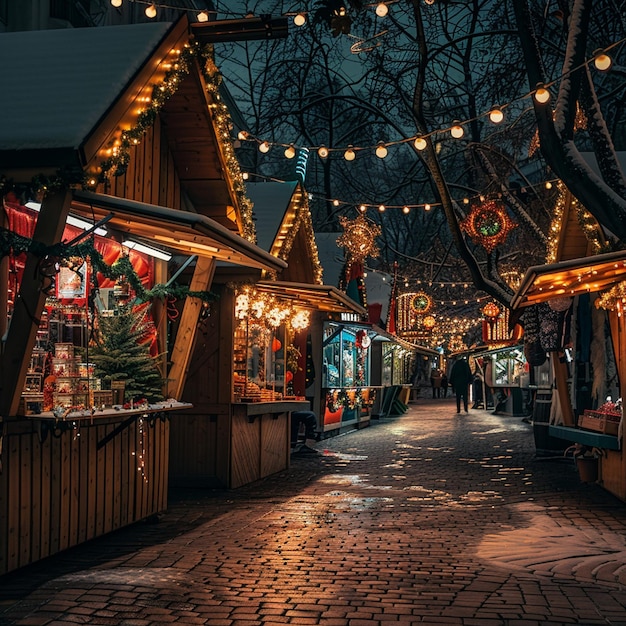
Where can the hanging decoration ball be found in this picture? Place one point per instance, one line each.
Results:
(276, 345)
(560, 304)
(429, 322)
(358, 238)
(488, 224)
(421, 303)
(491, 310)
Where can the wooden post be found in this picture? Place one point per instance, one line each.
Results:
(159, 315)
(185, 337)
(29, 304)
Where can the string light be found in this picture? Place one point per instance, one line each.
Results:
(542, 95)
(151, 11)
(381, 150)
(602, 61)
(349, 154)
(457, 130)
(420, 143)
(382, 9)
(202, 17)
(290, 152)
(116, 3)
(322, 151)
(264, 147)
(496, 115)
(299, 19)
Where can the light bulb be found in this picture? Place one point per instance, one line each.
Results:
(496, 115)
(151, 11)
(465, 200)
(427, 207)
(542, 95)
(290, 152)
(420, 143)
(242, 135)
(362, 208)
(602, 61)
(335, 202)
(381, 150)
(322, 151)
(116, 3)
(405, 210)
(382, 9)
(300, 19)
(203, 16)
(264, 147)
(245, 175)
(349, 154)
(548, 185)
(457, 130)
(381, 208)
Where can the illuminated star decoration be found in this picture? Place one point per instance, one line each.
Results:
(488, 224)
(358, 238)
(421, 303)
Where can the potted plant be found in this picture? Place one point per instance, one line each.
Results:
(586, 459)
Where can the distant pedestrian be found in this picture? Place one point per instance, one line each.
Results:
(435, 382)
(444, 385)
(460, 379)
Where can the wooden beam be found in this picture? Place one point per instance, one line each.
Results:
(159, 315)
(29, 304)
(185, 337)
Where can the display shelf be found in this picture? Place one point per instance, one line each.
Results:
(586, 437)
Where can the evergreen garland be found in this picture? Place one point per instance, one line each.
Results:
(12, 243)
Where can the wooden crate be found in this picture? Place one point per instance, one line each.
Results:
(607, 423)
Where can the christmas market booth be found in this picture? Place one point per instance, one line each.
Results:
(120, 195)
(266, 336)
(579, 296)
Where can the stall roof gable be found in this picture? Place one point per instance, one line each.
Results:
(284, 227)
(60, 82)
(573, 277)
(72, 91)
(182, 231)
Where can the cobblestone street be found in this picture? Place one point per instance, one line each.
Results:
(430, 518)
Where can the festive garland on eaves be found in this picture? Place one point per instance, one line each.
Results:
(12, 243)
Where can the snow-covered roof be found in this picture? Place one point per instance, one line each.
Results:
(57, 84)
(271, 201)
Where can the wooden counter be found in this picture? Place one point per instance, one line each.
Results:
(230, 445)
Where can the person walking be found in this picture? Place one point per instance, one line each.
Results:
(444, 385)
(435, 382)
(460, 379)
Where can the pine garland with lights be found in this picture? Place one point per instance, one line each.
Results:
(13, 244)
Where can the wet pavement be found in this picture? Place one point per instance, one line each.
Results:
(428, 518)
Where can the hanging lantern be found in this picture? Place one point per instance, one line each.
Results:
(491, 311)
(560, 304)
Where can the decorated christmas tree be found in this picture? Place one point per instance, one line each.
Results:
(122, 353)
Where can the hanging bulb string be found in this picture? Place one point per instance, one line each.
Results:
(446, 129)
(364, 206)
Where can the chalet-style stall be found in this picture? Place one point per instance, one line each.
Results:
(126, 133)
(266, 358)
(583, 291)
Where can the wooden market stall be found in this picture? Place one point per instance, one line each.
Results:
(245, 388)
(587, 288)
(127, 133)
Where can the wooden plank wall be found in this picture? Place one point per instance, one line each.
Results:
(59, 490)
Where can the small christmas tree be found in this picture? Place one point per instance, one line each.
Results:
(122, 352)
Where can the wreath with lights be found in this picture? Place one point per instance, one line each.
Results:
(421, 303)
(488, 224)
(359, 238)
